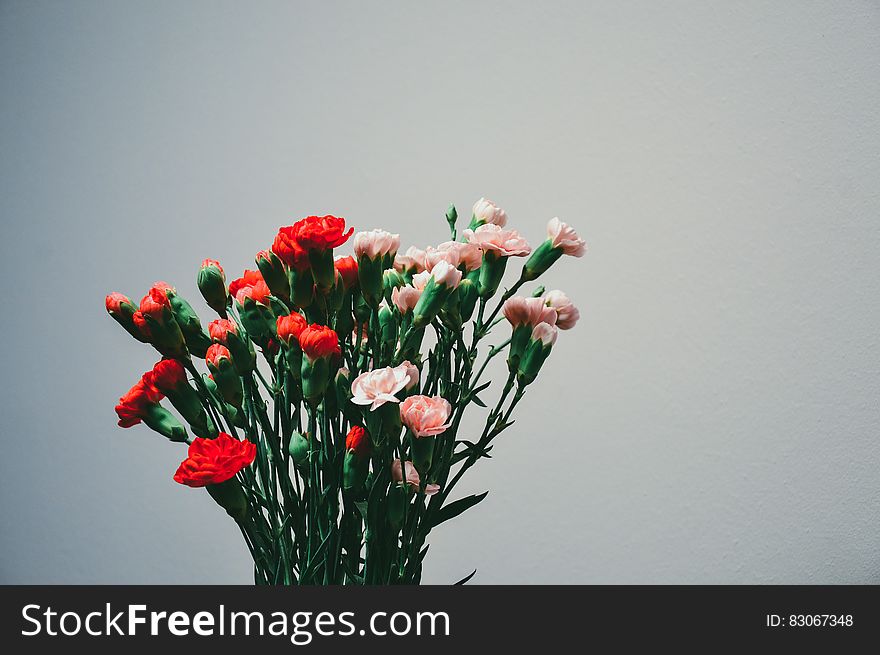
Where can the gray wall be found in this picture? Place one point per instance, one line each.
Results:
(714, 416)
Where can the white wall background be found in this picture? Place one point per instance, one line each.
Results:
(713, 418)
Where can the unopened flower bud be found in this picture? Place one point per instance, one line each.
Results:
(122, 309)
(274, 274)
(212, 284)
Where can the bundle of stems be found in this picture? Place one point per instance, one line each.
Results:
(337, 450)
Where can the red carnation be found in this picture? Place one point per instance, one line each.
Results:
(319, 341)
(347, 267)
(249, 279)
(321, 232)
(258, 293)
(166, 376)
(290, 327)
(289, 250)
(212, 461)
(215, 353)
(357, 441)
(154, 304)
(133, 406)
(115, 300)
(220, 329)
(158, 291)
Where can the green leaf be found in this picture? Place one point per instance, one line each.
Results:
(476, 400)
(466, 578)
(453, 509)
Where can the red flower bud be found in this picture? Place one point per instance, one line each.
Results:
(141, 324)
(288, 250)
(248, 279)
(212, 263)
(220, 329)
(212, 284)
(216, 353)
(290, 327)
(347, 267)
(319, 341)
(212, 461)
(155, 303)
(258, 293)
(133, 405)
(358, 441)
(166, 376)
(115, 300)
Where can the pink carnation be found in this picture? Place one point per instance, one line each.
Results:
(563, 236)
(505, 243)
(487, 211)
(375, 388)
(412, 477)
(566, 313)
(405, 298)
(528, 311)
(375, 244)
(426, 416)
(412, 260)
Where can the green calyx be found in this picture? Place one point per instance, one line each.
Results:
(354, 471)
(430, 302)
(533, 358)
(315, 377)
(231, 497)
(491, 274)
(542, 258)
(323, 271)
(165, 423)
(371, 278)
(228, 382)
(274, 274)
(197, 340)
(302, 287)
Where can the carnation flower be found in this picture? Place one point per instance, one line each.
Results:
(485, 211)
(320, 232)
(288, 250)
(212, 461)
(412, 477)
(504, 243)
(528, 311)
(134, 405)
(248, 279)
(258, 293)
(347, 268)
(413, 261)
(446, 274)
(318, 342)
(167, 375)
(377, 387)
(220, 329)
(545, 333)
(290, 327)
(567, 314)
(216, 354)
(469, 255)
(357, 441)
(114, 302)
(426, 416)
(375, 244)
(563, 237)
(405, 298)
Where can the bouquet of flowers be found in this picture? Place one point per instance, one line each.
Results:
(337, 449)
